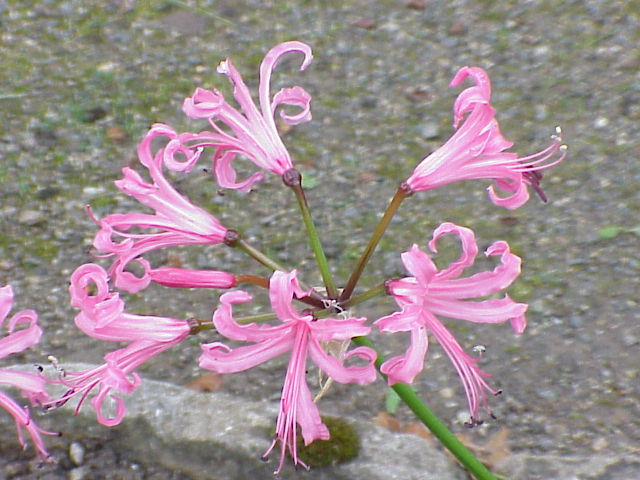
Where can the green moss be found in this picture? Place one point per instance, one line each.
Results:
(344, 445)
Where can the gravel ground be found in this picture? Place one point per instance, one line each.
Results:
(81, 81)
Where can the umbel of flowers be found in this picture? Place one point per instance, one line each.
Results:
(303, 320)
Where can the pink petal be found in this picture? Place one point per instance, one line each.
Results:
(22, 339)
(469, 248)
(282, 288)
(226, 325)
(270, 61)
(295, 96)
(226, 175)
(31, 383)
(519, 197)
(327, 329)
(405, 368)
(23, 420)
(483, 283)
(203, 104)
(407, 319)
(190, 157)
(486, 311)
(419, 265)
(341, 373)
(185, 278)
(220, 358)
(6, 302)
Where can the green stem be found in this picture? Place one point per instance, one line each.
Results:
(259, 256)
(364, 296)
(433, 423)
(402, 193)
(293, 179)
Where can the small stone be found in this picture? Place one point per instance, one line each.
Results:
(76, 453)
(429, 130)
(78, 473)
(31, 217)
(417, 4)
(447, 392)
(457, 28)
(599, 444)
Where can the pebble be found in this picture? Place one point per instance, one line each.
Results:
(76, 453)
(31, 217)
(447, 392)
(78, 473)
(429, 130)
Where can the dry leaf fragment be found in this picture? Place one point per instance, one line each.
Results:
(116, 134)
(365, 23)
(387, 421)
(493, 451)
(209, 382)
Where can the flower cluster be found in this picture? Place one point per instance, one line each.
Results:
(476, 150)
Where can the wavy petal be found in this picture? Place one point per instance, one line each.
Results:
(419, 265)
(405, 368)
(469, 248)
(252, 332)
(338, 371)
(406, 319)
(328, 329)
(220, 358)
(226, 175)
(22, 339)
(485, 311)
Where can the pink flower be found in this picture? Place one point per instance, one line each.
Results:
(476, 150)
(102, 316)
(430, 293)
(31, 385)
(115, 375)
(249, 132)
(176, 220)
(300, 334)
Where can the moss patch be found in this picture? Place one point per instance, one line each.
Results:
(344, 445)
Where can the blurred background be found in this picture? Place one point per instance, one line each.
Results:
(82, 81)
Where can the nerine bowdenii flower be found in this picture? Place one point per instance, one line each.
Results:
(31, 385)
(301, 335)
(103, 316)
(175, 221)
(430, 294)
(477, 150)
(250, 131)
